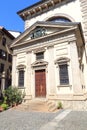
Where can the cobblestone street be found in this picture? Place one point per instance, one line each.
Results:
(22, 120)
(61, 120)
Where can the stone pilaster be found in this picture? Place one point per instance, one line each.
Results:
(51, 71)
(28, 74)
(76, 78)
(83, 5)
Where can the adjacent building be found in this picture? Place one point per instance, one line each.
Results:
(5, 58)
(50, 56)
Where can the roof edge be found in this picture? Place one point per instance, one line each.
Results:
(7, 32)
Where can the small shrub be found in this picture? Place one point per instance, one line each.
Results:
(4, 106)
(13, 95)
(59, 106)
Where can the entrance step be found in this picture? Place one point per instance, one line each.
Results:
(40, 105)
(52, 106)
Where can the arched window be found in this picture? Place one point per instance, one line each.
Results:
(59, 19)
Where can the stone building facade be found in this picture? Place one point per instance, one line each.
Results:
(49, 57)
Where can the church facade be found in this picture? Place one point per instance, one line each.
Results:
(49, 57)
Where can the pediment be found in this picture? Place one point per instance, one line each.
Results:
(37, 32)
(21, 66)
(40, 30)
(62, 60)
(39, 63)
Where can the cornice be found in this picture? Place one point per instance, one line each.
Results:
(40, 7)
(47, 44)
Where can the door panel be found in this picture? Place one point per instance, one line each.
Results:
(40, 83)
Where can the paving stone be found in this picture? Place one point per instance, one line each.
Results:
(76, 120)
(24, 120)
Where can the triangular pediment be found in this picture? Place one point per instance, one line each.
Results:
(40, 30)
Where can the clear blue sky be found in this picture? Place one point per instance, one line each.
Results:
(8, 13)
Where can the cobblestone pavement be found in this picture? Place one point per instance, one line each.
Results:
(68, 120)
(62, 120)
(75, 120)
(24, 120)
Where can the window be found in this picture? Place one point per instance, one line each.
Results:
(10, 68)
(59, 19)
(3, 41)
(21, 78)
(3, 54)
(1, 67)
(9, 57)
(39, 55)
(9, 71)
(63, 74)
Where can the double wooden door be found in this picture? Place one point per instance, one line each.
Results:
(40, 83)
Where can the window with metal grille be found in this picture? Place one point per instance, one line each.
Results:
(21, 78)
(63, 74)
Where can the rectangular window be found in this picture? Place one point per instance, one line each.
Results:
(63, 72)
(39, 55)
(21, 78)
(3, 41)
(10, 68)
(1, 67)
(3, 54)
(9, 57)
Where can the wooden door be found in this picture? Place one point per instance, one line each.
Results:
(40, 83)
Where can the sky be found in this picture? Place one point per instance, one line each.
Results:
(9, 18)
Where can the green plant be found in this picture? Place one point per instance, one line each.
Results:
(4, 99)
(13, 95)
(4, 106)
(59, 105)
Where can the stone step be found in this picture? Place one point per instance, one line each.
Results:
(38, 105)
(52, 106)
